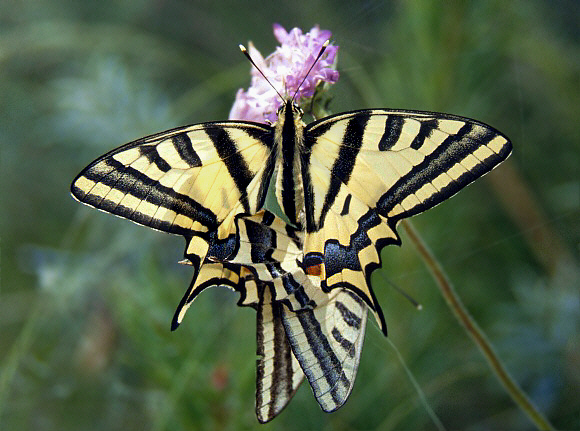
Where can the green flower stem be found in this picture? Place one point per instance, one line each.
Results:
(474, 331)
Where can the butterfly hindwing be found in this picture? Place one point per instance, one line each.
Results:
(214, 274)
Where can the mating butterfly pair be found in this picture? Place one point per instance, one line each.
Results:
(343, 182)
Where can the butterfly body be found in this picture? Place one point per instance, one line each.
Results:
(289, 133)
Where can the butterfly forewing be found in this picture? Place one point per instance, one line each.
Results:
(402, 162)
(278, 372)
(186, 181)
(327, 342)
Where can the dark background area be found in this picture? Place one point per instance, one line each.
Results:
(86, 298)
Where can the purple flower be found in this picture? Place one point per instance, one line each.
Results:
(285, 68)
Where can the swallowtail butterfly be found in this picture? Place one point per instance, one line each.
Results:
(343, 183)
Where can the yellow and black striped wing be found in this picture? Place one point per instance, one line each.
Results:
(327, 342)
(190, 181)
(366, 170)
(215, 274)
(278, 372)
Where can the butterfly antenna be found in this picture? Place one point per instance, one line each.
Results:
(322, 49)
(247, 54)
(408, 297)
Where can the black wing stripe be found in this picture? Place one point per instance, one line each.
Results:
(266, 178)
(262, 240)
(346, 205)
(327, 348)
(347, 345)
(283, 373)
(233, 160)
(296, 289)
(393, 128)
(308, 188)
(152, 155)
(344, 163)
(424, 131)
(184, 148)
(350, 318)
(338, 256)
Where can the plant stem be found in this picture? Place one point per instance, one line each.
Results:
(465, 319)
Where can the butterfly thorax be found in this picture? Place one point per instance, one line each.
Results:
(289, 140)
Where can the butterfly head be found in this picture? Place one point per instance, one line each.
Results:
(289, 122)
(289, 110)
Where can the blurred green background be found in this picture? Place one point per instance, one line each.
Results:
(86, 298)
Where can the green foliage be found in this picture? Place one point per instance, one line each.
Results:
(87, 299)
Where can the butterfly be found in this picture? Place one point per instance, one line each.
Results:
(343, 182)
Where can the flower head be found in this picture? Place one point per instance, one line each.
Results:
(286, 69)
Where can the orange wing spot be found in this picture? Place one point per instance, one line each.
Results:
(245, 272)
(314, 270)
